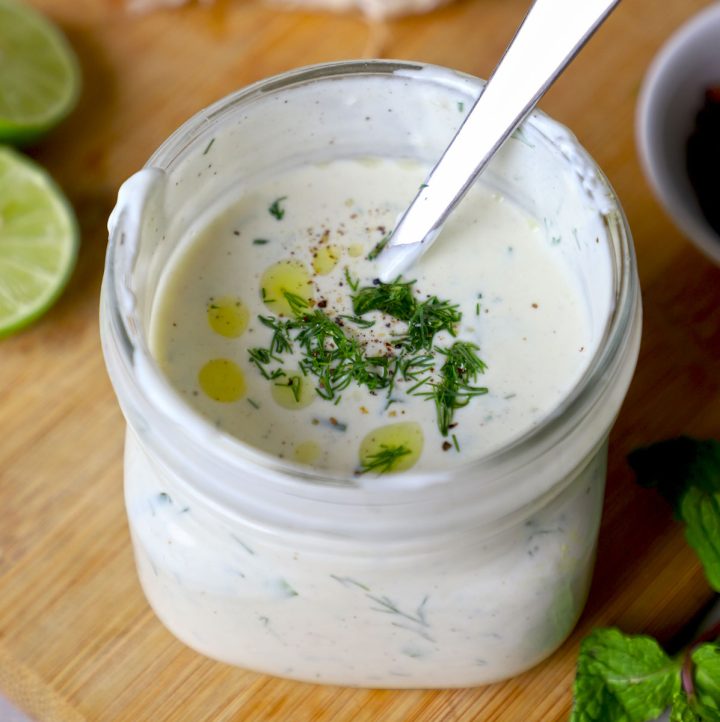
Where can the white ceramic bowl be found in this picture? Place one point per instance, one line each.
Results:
(671, 96)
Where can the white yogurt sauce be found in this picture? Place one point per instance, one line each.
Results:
(520, 306)
(450, 615)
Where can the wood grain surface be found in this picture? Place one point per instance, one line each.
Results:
(77, 639)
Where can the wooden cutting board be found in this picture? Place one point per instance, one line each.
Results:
(77, 640)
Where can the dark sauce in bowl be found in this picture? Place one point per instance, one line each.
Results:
(703, 157)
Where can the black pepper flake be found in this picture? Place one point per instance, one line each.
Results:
(446, 446)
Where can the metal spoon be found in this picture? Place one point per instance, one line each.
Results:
(551, 34)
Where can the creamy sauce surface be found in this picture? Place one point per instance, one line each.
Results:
(309, 231)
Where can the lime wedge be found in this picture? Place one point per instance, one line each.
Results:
(38, 241)
(39, 73)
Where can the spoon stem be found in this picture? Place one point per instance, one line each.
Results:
(550, 36)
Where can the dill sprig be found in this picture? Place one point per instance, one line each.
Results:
(334, 358)
(383, 460)
(276, 210)
(297, 303)
(360, 322)
(396, 299)
(354, 283)
(280, 342)
(328, 354)
(379, 247)
(431, 317)
(337, 357)
(424, 319)
(454, 389)
(294, 383)
(261, 357)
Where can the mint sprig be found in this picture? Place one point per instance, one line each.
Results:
(687, 473)
(623, 678)
(702, 682)
(626, 678)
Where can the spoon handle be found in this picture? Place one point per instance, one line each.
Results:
(551, 34)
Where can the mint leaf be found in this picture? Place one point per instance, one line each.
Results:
(681, 710)
(622, 678)
(700, 511)
(687, 473)
(685, 710)
(706, 661)
(701, 703)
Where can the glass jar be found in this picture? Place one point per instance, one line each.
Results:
(445, 579)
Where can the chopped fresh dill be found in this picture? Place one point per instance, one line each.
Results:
(276, 210)
(455, 443)
(261, 357)
(335, 359)
(294, 383)
(209, 145)
(410, 366)
(379, 247)
(336, 355)
(361, 322)
(396, 299)
(461, 106)
(385, 604)
(350, 582)
(254, 404)
(280, 342)
(454, 390)
(354, 283)
(260, 241)
(431, 317)
(297, 303)
(384, 460)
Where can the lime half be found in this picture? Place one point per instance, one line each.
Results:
(38, 241)
(39, 73)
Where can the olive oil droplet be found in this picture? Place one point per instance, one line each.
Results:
(307, 452)
(293, 391)
(405, 434)
(228, 316)
(326, 258)
(285, 277)
(222, 380)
